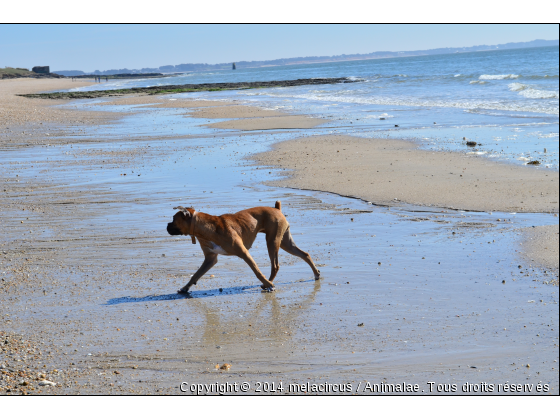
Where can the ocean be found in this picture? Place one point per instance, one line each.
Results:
(507, 101)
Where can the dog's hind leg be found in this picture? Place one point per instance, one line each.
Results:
(273, 245)
(210, 261)
(290, 247)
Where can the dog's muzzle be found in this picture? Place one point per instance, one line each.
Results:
(172, 230)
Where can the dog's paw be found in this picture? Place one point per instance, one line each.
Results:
(268, 289)
(183, 291)
(318, 276)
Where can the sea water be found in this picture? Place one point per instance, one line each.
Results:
(506, 100)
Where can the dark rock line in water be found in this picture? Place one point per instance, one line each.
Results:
(155, 90)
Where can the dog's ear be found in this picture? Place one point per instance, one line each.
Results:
(183, 210)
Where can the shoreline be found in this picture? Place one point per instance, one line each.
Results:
(396, 172)
(92, 275)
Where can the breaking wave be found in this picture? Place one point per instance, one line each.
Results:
(504, 105)
(539, 94)
(529, 92)
(514, 87)
(498, 76)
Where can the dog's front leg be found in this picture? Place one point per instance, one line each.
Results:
(265, 283)
(245, 256)
(210, 261)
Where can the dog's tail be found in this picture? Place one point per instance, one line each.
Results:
(278, 205)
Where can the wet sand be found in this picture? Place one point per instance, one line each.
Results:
(541, 246)
(89, 277)
(250, 118)
(162, 101)
(270, 123)
(238, 116)
(393, 172)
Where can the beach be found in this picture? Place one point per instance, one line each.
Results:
(392, 172)
(420, 261)
(29, 121)
(541, 246)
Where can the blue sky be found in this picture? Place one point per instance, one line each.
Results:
(102, 47)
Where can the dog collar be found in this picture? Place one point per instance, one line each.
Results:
(192, 228)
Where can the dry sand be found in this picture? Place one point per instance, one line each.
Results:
(540, 245)
(26, 121)
(393, 172)
(17, 110)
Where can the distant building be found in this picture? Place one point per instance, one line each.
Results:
(233, 66)
(41, 69)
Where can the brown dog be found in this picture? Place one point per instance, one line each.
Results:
(234, 234)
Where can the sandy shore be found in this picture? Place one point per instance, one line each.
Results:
(240, 116)
(89, 276)
(33, 121)
(17, 110)
(540, 245)
(392, 172)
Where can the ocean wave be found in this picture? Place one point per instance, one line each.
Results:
(540, 77)
(353, 78)
(475, 82)
(498, 76)
(541, 135)
(539, 94)
(497, 113)
(403, 101)
(515, 87)
(529, 92)
(457, 75)
(384, 115)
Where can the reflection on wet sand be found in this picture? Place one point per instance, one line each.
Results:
(267, 322)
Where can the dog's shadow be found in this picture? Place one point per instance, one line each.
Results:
(198, 294)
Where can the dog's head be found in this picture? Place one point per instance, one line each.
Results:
(181, 223)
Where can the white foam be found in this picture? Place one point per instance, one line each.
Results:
(480, 82)
(384, 115)
(457, 75)
(498, 76)
(353, 78)
(529, 92)
(539, 94)
(514, 87)
(474, 105)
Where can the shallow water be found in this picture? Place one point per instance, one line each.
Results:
(433, 308)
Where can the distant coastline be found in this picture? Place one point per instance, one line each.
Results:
(196, 67)
(126, 76)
